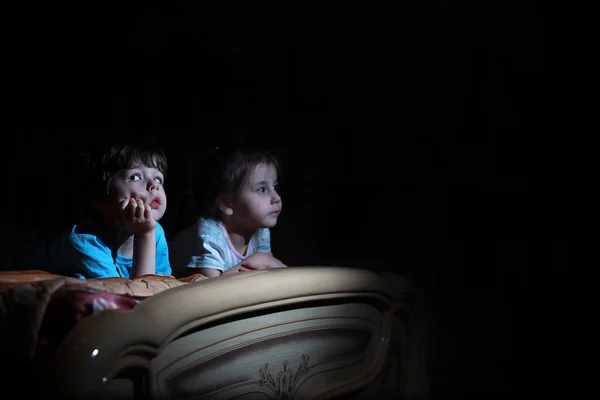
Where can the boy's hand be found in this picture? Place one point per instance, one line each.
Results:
(137, 216)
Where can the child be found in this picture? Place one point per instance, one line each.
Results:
(121, 188)
(237, 204)
(124, 190)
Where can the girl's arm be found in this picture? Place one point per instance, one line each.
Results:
(209, 272)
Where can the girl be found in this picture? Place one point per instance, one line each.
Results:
(237, 204)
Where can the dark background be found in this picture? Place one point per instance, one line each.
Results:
(409, 131)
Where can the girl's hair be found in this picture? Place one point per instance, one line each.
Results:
(97, 165)
(222, 172)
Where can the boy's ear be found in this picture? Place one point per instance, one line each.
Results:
(224, 204)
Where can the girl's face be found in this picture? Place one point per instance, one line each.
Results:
(256, 204)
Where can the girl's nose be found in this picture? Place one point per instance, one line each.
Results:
(276, 198)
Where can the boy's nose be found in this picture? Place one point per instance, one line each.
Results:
(153, 186)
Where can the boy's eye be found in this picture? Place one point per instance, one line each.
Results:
(158, 180)
(134, 177)
(262, 189)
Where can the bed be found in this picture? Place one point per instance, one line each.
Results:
(311, 332)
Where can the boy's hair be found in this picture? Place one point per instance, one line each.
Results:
(98, 164)
(222, 172)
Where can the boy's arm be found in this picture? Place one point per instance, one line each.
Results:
(144, 254)
(139, 217)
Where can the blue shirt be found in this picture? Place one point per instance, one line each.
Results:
(90, 258)
(71, 253)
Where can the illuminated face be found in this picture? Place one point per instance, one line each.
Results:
(139, 182)
(256, 204)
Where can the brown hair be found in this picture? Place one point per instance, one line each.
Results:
(99, 164)
(222, 172)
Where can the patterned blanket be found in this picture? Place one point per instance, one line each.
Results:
(38, 309)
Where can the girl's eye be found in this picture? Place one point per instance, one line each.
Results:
(158, 180)
(134, 177)
(262, 189)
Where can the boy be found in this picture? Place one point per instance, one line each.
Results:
(123, 186)
(122, 189)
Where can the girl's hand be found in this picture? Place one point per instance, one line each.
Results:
(235, 270)
(256, 261)
(261, 261)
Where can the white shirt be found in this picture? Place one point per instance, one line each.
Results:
(206, 244)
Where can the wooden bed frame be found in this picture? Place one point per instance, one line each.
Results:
(294, 333)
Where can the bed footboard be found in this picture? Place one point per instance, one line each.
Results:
(294, 333)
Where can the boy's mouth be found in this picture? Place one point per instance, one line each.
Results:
(155, 203)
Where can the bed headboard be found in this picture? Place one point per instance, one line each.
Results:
(293, 333)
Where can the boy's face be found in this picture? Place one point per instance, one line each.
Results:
(139, 182)
(257, 204)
